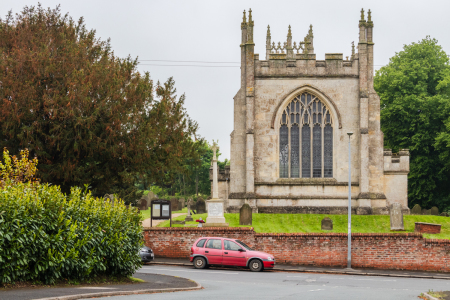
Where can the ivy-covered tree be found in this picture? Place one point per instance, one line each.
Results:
(89, 116)
(415, 105)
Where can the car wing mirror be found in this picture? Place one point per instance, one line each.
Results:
(241, 250)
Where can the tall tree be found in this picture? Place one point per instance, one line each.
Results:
(415, 108)
(89, 116)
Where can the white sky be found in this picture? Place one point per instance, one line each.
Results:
(210, 31)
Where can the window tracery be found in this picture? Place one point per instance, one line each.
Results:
(306, 139)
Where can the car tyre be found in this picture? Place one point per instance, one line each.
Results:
(200, 262)
(255, 265)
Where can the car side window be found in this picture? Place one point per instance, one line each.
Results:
(201, 243)
(214, 244)
(229, 245)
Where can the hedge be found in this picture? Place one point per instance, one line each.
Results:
(46, 236)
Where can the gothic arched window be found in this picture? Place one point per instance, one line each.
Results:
(306, 139)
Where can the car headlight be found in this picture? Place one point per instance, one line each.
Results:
(270, 259)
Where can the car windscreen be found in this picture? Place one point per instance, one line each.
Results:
(244, 245)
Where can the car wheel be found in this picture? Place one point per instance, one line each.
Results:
(255, 265)
(199, 263)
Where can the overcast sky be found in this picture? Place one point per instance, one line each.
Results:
(209, 31)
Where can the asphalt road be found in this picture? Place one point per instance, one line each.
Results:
(242, 284)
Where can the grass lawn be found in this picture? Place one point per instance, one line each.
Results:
(292, 223)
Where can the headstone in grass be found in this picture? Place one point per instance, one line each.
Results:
(142, 204)
(434, 211)
(416, 210)
(245, 215)
(444, 214)
(179, 222)
(109, 197)
(180, 203)
(174, 204)
(396, 215)
(201, 206)
(327, 224)
(426, 211)
(189, 214)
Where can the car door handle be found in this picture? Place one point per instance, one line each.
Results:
(226, 252)
(206, 251)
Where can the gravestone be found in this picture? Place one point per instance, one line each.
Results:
(189, 216)
(179, 222)
(180, 203)
(174, 204)
(142, 204)
(245, 215)
(327, 224)
(396, 216)
(416, 210)
(435, 211)
(201, 206)
(426, 211)
(109, 197)
(444, 214)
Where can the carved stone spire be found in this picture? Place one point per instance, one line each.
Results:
(310, 39)
(250, 27)
(244, 21)
(353, 50)
(268, 43)
(244, 29)
(362, 15)
(369, 19)
(289, 49)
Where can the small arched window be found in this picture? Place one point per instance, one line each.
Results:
(306, 139)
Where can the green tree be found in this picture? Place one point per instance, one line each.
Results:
(89, 116)
(415, 108)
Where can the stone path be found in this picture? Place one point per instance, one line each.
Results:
(146, 222)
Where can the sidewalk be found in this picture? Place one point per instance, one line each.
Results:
(154, 283)
(329, 270)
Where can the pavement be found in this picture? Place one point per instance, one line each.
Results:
(154, 283)
(325, 270)
(238, 284)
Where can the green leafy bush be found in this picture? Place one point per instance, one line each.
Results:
(46, 235)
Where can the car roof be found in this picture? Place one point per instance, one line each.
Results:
(214, 237)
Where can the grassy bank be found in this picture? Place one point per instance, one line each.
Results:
(292, 223)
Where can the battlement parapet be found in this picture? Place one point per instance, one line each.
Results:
(396, 163)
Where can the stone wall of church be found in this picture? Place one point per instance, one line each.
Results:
(269, 93)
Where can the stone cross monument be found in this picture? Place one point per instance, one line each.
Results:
(215, 205)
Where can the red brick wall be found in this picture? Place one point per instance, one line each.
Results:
(427, 228)
(409, 251)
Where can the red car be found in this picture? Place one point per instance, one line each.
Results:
(228, 252)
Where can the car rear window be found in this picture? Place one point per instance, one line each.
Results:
(201, 243)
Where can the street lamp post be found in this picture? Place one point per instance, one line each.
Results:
(349, 251)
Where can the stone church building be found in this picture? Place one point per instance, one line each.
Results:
(292, 113)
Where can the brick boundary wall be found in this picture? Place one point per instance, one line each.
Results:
(421, 227)
(399, 251)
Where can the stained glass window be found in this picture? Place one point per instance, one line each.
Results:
(328, 151)
(295, 158)
(317, 151)
(306, 151)
(306, 139)
(284, 149)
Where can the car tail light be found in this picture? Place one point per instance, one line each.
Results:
(192, 251)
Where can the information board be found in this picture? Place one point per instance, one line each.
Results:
(161, 210)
